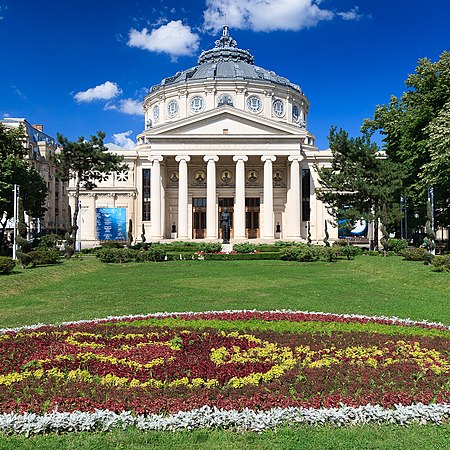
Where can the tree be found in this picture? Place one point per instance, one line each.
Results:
(14, 169)
(416, 133)
(86, 163)
(361, 182)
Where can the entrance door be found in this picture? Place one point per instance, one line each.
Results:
(198, 218)
(226, 202)
(252, 217)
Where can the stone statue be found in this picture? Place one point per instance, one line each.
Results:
(225, 223)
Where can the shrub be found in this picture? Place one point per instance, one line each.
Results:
(242, 256)
(25, 259)
(372, 253)
(397, 245)
(210, 247)
(244, 248)
(329, 253)
(340, 243)
(350, 251)
(6, 265)
(267, 248)
(441, 263)
(285, 243)
(301, 252)
(43, 257)
(414, 254)
(48, 241)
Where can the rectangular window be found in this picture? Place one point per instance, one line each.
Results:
(146, 194)
(306, 192)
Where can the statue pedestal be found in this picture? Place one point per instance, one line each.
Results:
(227, 248)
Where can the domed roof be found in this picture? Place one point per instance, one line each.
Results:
(225, 61)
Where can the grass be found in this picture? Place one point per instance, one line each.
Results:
(83, 289)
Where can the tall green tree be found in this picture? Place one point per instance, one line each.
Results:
(14, 169)
(415, 130)
(361, 182)
(86, 162)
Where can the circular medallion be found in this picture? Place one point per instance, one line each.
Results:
(225, 99)
(278, 108)
(278, 176)
(225, 176)
(173, 176)
(172, 108)
(200, 176)
(196, 103)
(254, 104)
(252, 175)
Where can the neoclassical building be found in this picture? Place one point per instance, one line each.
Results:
(225, 133)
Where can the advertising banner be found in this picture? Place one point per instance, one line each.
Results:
(359, 230)
(111, 224)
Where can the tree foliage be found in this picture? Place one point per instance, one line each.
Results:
(14, 169)
(361, 182)
(86, 162)
(416, 133)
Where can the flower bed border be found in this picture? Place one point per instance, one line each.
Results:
(246, 419)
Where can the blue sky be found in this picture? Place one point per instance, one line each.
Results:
(83, 66)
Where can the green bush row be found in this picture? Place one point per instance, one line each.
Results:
(125, 255)
(441, 263)
(39, 257)
(310, 253)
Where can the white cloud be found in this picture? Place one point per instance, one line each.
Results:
(268, 15)
(353, 14)
(130, 106)
(122, 140)
(174, 39)
(126, 106)
(103, 91)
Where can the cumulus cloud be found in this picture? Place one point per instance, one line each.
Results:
(122, 140)
(174, 38)
(104, 91)
(264, 15)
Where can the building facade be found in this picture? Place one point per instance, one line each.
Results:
(223, 134)
(41, 148)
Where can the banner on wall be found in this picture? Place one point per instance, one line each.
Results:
(111, 224)
(360, 229)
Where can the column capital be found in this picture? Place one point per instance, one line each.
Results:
(265, 158)
(295, 158)
(237, 158)
(179, 158)
(153, 158)
(208, 158)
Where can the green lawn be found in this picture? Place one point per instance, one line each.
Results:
(83, 289)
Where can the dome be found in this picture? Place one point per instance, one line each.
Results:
(225, 61)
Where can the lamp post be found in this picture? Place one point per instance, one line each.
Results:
(16, 190)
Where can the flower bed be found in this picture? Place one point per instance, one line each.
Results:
(225, 364)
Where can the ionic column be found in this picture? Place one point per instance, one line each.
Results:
(155, 207)
(239, 198)
(211, 209)
(268, 231)
(294, 199)
(182, 196)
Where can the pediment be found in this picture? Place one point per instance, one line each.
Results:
(225, 120)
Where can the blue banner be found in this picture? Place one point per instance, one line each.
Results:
(360, 229)
(111, 224)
